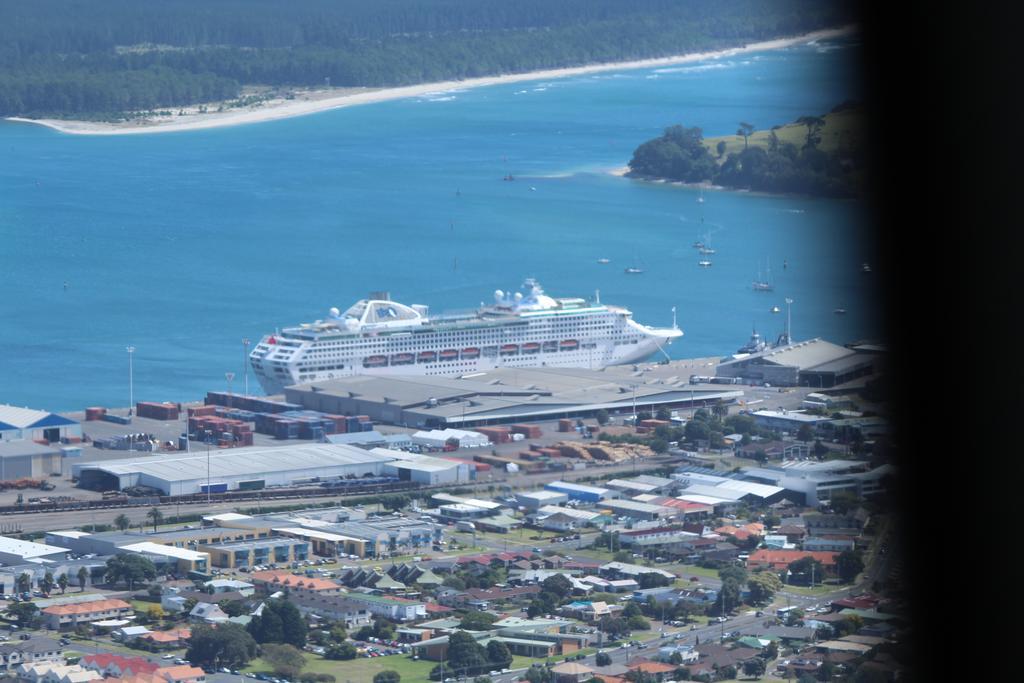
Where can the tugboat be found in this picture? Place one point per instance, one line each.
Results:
(755, 345)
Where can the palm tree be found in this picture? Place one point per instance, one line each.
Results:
(155, 516)
(47, 583)
(24, 582)
(62, 582)
(745, 130)
(122, 522)
(83, 576)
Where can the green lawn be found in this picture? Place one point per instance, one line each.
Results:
(359, 669)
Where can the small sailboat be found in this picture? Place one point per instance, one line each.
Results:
(775, 309)
(764, 284)
(700, 199)
(634, 269)
(604, 260)
(840, 311)
(704, 263)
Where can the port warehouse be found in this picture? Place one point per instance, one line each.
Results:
(232, 470)
(28, 460)
(18, 424)
(507, 395)
(811, 363)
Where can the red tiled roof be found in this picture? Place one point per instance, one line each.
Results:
(289, 579)
(87, 607)
(101, 660)
(651, 667)
(782, 558)
(434, 608)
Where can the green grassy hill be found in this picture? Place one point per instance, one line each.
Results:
(843, 128)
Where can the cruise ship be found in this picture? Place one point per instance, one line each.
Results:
(378, 336)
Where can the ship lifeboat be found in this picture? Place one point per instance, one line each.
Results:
(427, 356)
(550, 346)
(375, 362)
(531, 347)
(403, 359)
(569, 345)
(449, 354)
(509, 350)
(470, 353)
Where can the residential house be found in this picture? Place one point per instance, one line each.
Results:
(55, 672)
(660, 670)
(59, 617)
(272, 581)
(208, 612)
(172, 639)
(571, 672)
(35, 650)
(117, 666)
(336, 607)
(779, 560)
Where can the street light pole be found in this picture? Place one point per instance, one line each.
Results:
(229, 376)
(131, 381)
(245, 363)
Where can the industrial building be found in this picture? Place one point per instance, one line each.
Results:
(251, 553)
(508, 395)
(811, 363)
(427, 471)
(586, 494)
(439, 438)
(16, 551)
(236, 469)
(28, 460)
(535, 500)
(26, 424)
(812, 482)
(636, 510)
(788, 420)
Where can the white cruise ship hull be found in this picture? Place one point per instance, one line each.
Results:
(540, 332)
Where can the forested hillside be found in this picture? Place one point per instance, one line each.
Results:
(96, 58)
(814, 155)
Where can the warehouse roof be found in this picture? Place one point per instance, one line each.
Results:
(579, 488)
(705, 500)
(540, 495)
(353, 438)
(312, 533)
(714, 491)
(28, 549)
(12, 417)
(238, 462)
(14, 449)
(637, 506)
(806, 355)
(549, 510)
(426, 464)
(507, 393)
(760, 490)
(166, 550)
(474, 502)
(631, 485)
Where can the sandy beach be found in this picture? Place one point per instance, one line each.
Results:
(312, 101)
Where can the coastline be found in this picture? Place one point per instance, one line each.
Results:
(314, 101)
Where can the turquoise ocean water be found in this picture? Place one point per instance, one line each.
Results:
(183, 244)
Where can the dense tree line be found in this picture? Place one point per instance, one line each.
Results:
(72, 58)
(680, 155)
